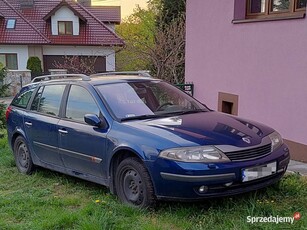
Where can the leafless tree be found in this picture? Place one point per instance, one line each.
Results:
(168, 53)
(165, 52)
(77, 64)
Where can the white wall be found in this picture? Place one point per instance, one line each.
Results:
(22, 54)
(109, 53)
(64, 14)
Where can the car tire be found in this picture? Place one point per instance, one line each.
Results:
(22, 156)
(133, 183)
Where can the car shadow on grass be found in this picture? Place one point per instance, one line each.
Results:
(264, 199)
(70, 180)
(204, 204)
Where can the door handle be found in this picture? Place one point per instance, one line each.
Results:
(28, 124)
(63, 131)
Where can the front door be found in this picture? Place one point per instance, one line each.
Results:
(82, 146)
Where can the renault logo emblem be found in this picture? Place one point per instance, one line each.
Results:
(246, 140)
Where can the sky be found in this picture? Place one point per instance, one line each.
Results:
(127, 6)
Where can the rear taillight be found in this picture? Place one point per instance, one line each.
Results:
(7, 113)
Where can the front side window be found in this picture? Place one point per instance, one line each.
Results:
(148, 98)
(273, 8)
(65, 28)
(79, 103)
(48, 99)
(9, 61)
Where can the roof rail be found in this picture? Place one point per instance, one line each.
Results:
(142, 73)
(60, 76)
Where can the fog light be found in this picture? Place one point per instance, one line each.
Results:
(228, 184)
(203, 189)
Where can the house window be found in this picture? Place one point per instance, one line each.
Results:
(257, 7)
(9, 61)
(273, 8)
(65, 28)
(280, 6)
(300, 4)
(11, 23)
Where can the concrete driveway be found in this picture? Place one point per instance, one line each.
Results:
(297, 167)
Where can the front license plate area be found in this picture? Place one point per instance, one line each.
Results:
(258, 172)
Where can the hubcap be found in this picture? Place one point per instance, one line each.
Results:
(23, 156)
(132, 185)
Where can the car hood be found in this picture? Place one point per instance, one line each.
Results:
(204, 128)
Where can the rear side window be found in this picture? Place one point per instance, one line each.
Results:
(23, 97)
(79, 103)
(48, 99)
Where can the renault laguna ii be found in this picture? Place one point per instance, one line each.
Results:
(142, 137)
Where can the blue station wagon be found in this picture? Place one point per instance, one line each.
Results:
(141, 137)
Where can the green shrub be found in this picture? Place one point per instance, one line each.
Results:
(35, 65)
(3, 87)
(2, 116)
(3, 90)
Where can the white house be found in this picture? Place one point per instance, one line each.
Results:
(54, 29)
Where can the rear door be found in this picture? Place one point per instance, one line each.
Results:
(41, 123)
(82, 146)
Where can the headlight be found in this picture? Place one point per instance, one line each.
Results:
(276, 140)
(195, 154)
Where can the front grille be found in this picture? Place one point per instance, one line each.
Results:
(249, 154)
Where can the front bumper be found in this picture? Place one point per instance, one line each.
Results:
(182, 181)
(203, 179)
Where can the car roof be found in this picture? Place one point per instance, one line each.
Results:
(96, 79)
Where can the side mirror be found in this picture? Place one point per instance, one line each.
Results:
(94, 120)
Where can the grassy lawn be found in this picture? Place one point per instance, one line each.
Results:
(49, 200)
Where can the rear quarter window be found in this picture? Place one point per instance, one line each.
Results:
(23, 97)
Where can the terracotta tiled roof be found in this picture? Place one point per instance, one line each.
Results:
(107, 13)
(24, 31)
(31, 28)
(61, 4)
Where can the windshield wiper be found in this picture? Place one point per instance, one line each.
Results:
(185, 112)
(150, 116)
(141, 117)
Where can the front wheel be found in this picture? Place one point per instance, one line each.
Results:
(22, 156)
(133, 183)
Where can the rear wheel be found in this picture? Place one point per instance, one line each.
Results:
(133, 183)
(22, 156)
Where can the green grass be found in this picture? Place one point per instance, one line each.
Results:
(49, 200)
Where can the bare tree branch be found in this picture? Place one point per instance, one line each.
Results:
(166, 54)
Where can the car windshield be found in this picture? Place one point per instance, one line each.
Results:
(148, 99)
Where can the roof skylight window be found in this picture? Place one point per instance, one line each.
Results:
(11, 23)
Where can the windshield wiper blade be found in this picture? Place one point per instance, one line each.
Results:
(141, 117)
(185, 112)
(150, 116)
